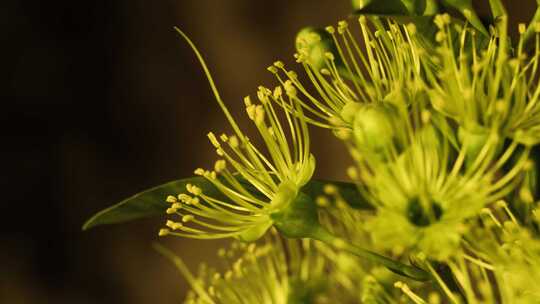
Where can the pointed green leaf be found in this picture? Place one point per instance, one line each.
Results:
(148, 203)
(151, 202)
(381, 7)
(396, 7)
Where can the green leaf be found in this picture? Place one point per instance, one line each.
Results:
(151, 202)
(396, 7)
(381, 7)
(148, 203)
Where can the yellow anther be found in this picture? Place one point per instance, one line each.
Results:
(213, 140)
(170, 224)
(426, 116)
(262, 95)
(292, 74)
(322, 201)
(352, 172)
(279, 64)
(434, 298)
(440, 36)
(233, 142)
(176, 206)
(194, 201)
(329, 55)
(501, 204)
(184, 197)
(330, 29)
(188, 217)
(250, 109)
(330, 189)
(193, 189)
(224, 137)
(171, 199)
(199, 171)
(221, 252)
(247, 101)
(171, 210)
(220, 165)
(164, 232)
(342, 26)
(325, 71)
(522, 28)
(362, 19)
(259, 115)
(272, 69)
(277, 92)
(290, 89)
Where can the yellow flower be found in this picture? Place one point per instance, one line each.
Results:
(255, 182)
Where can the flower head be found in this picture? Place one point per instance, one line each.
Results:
(486, 85)
(278, 271)
(254, 182)
(424, 175)
(347, 79)
(426, 193)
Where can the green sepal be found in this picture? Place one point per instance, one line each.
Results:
(299, 219)
(254, 233)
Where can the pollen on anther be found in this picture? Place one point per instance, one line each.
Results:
(330, 29)
(330, 189)
(522, 28)
(164, 232)
(272, 69)
(193, 189)
(171, 199)
(233, 141)
(213, 140)
(279, 64)
(220, 165)
(290, 89)
(188, 217)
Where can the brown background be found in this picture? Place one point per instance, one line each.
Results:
(101, 99)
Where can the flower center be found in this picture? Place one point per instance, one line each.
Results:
(422, 214)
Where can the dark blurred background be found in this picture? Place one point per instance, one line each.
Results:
(100, 100)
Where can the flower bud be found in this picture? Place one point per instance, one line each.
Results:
(473, 141)
(313, 44)
(373, 127)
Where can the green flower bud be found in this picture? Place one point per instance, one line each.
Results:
(313, 44)
(349, 110)
(373, 127)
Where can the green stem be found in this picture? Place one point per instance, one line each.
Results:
(412, 272)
